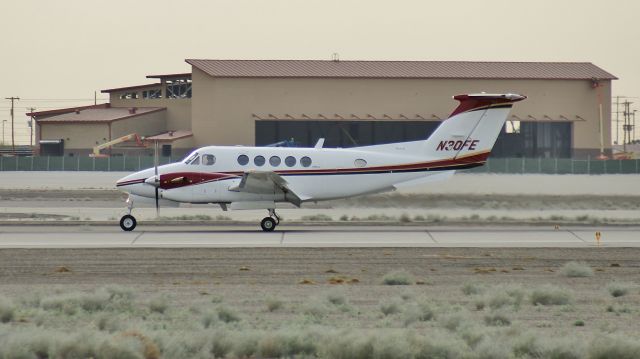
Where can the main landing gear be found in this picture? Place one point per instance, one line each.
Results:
(128, 222)
(268, 224)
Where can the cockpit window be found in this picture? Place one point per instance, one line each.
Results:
(208, 160)
(191, 157)
(195, 161)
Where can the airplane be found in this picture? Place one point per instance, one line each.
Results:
(251, 178)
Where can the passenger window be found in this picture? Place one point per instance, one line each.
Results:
(305, 161)
(243, 160)
(196, 161)
(259, 160)
(275, 161)
(290, 161)
(360, 162)
(208, 160)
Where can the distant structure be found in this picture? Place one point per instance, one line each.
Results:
(349, 103)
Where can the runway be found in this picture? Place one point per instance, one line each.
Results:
(149, 236)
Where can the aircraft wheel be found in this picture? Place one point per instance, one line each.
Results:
(128, 222)
(268, 224)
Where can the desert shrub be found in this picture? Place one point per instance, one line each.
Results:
(287, 345)
(30, 343)
(453, 321)
(72, 302)
(158, 305)
(185, 345)
(614, 346)
(419, 312)
(274, 304)
(227, 315)
(245, 344)
(398, 277)
(209, 319)
(438, 346)
(336, 298)
(405, 218)
(472, 289)
(617, 289)
(120, 348)
(315, 310)
(506, 295)
(550, 295)
(347, 345)
(7, 310)
(496, 319)
(390, 308)
(221, 344)
(82, 346)
(576, 270)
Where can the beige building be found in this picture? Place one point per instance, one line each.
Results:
(255, 102)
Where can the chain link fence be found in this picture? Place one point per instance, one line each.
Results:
(494, 165)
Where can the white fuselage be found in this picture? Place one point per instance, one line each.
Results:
(333, 172)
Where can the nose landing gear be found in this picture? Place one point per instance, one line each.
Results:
(268, 224)
(128, 222)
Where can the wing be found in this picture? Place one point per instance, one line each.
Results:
(269, 183)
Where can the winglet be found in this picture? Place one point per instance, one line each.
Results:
(320, 143)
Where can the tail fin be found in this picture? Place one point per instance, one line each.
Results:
(473, 127)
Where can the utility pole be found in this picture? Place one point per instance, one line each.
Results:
(13, 141)
(31, 110)
(617, 119)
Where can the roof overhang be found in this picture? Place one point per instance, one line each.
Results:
(136, 87)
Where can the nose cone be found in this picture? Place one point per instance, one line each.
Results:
(135, 184)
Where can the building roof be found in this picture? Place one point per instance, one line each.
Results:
(100, 115)
(170, 136)
(136, 87)
(65, 110)
(402, 69)
(166, 76)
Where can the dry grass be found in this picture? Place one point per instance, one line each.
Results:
(398, 277)
(576, 270)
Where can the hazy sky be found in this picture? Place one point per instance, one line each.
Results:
(67, 49)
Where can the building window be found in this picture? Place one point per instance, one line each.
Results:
(290, 161)
(151, 94)
(129, 96)
(178, 88)
(208, 160)
(243, 160)
(360, 162)
(259, 160)
(305, 161)
(275, 161)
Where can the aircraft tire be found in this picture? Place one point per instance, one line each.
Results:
(268, 224)
(128, 222)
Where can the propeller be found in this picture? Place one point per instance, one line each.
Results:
(157, 177)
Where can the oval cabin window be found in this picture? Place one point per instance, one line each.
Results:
(360, 162)
(305, 161)
(275, 161)
(290, 161)
(259, 160)
(243, 160)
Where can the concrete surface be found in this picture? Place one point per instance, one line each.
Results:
(147, 236)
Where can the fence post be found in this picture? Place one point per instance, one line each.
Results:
(539, 165)
(124, 161)
(572, 166)
(48, 162)
(556, 166)
(93, 164)
(522, 165)
(78, 166)
(63, 162)
(32, 163)
(109, 164)
(16, 157)
(139, 164)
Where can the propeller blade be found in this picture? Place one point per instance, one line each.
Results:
(157, 203)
